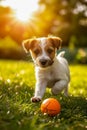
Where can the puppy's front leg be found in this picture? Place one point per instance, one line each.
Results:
(39, 91)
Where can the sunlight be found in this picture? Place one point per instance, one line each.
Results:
(23, 8)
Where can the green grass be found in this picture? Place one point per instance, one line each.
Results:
(17, 81)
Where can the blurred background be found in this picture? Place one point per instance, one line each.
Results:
(22, 19)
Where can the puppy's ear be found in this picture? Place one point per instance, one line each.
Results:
(56, 41)
(28, 44)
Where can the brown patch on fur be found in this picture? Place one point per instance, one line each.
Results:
(35, 50)
(29, 44)
(25, 45)
(56, 41)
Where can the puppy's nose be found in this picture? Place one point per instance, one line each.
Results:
(43, 61)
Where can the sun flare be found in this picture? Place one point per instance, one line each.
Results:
(23, 8)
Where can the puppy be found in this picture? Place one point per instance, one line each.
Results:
(51, 70)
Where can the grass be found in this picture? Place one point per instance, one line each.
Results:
(17, 83)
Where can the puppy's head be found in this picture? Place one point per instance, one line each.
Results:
(42, 50)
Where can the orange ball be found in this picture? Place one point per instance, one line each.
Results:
(50, 106)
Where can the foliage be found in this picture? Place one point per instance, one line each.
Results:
(9, 49)
(67, 18)
(81, 56)
(8, 43)
(75, 55)
(17, 82)
(64, 18)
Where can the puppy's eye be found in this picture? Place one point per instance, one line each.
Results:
(36, 51)
(50, 50)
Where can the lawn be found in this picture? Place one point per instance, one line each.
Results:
(17, 81)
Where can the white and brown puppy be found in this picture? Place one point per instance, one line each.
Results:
(51, 70)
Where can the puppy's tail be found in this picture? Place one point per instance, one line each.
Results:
(61, 54)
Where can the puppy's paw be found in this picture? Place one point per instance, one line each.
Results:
(35, 99)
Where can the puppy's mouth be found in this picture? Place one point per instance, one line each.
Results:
(44, 63)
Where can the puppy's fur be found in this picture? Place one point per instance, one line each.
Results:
(51, 70)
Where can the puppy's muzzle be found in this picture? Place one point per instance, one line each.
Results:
(45, 62)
